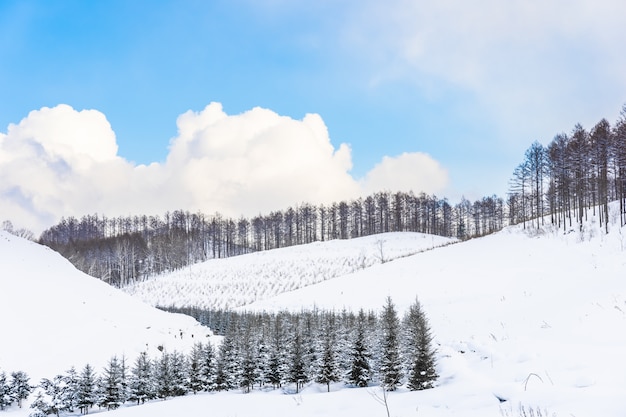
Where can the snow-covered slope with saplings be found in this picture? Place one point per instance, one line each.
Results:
(241, 280)
(523, 320)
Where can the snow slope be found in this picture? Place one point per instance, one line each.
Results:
(537, 319)
(534, 318)
(54, 316)
(241, 280)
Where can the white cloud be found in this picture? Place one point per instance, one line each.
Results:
(62, 162)
(408, 172)
(528, 66)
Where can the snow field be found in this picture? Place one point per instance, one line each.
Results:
(241, 280)
(534, 318)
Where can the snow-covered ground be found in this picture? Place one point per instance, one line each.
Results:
(537, 319)
(241, 280)
(53, 316)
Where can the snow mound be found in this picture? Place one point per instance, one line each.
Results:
(54, 316)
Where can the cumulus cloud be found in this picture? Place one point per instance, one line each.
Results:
(63, 162)
(407, 172)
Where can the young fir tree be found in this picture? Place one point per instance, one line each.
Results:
(297, 366)
(195, 381)
(360, 371)
(87, 389)
(277, 355)
(390, 365)
(40, 406)
(5, 391)
(275, 367)
(228, 368)
(141, 384)
(209, 368)
(20, 387)
(327, 370)
(178, 366)
(112, 385)
(52, 402)
(420, 355)
(262, 363)
(70, 392)
(163, 377)
(248, 360)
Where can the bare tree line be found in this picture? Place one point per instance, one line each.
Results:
(574, 174)
(122, 250)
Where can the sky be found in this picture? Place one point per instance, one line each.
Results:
(244, 106)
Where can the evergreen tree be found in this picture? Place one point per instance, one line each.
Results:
(20, 387)
(164, 385)
(209, 368)
(54, 389)
(178, 367)
(420, 355)
(297, 368)
(327, 368)
(228, 369)
(40, 406)
(70, 393)
(390, 365)
(248, 360)
(87, 389)
(195, 364)
(360, 372)
(275, 367)
(141, 385)
(112, 385)
(5, 391)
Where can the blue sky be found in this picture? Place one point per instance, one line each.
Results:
(468, 86)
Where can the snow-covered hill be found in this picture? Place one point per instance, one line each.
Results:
(241, 280)
(536, 319)
(53, 316)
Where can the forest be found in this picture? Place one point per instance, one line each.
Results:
(574, 173)
(264, 351)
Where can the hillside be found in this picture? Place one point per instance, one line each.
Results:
(244, 279)
(532, 318)
(54, 316)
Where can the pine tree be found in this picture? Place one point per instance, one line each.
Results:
(248, 359)
(5, 391)
(20, 387)
(164, 385)
(87, 389)
(297, 368)
(209, 368)
(360, 373)
(40, 406)
(275, 367)
(327, 371)
(178, 366)
(70, 393)
(390, 366)
(420, 355)
(112, 385)
(54, 389)
(195, 381)
(141, 385)
(228, 369)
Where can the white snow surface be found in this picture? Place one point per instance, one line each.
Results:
(536, 318)
(53, 316)
(241, 280)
